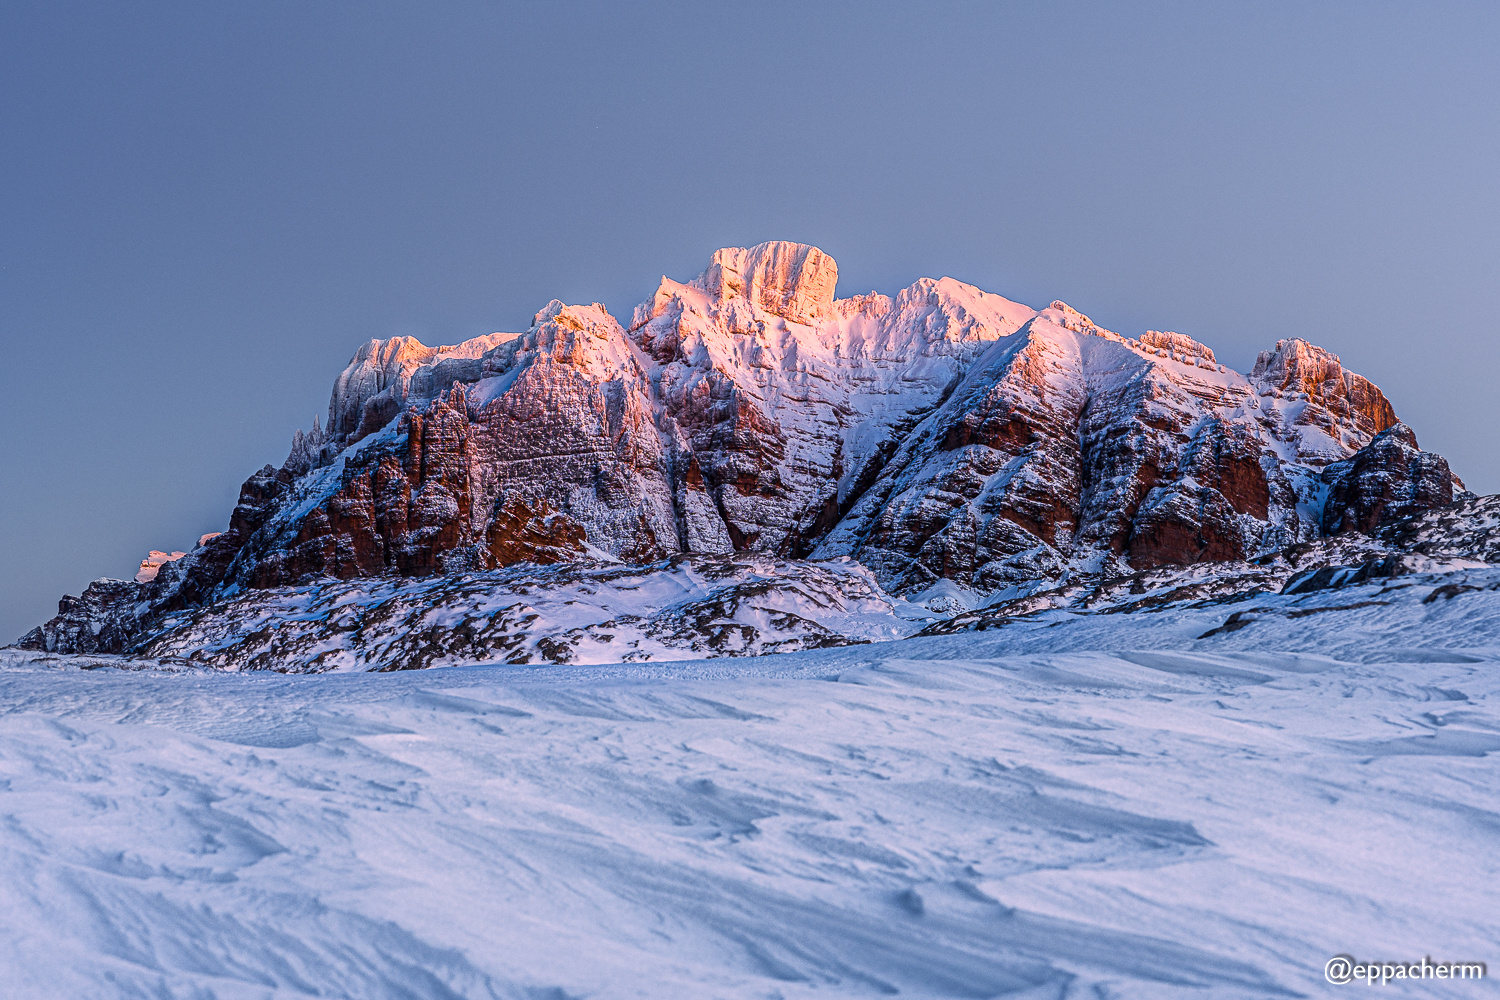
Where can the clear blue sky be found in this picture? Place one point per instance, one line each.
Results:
(204, 207)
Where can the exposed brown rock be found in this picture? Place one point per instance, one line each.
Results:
(1389, 479)
(708, 428)
(1349, 408)
(1074, 440)
(520, 532)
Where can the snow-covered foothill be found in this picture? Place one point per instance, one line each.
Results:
(682, 608)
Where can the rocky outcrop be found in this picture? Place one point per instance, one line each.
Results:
(1344, 410)
(152, 564)
(1468, 528)
(195, 578)
(554, 431)
(1389, 479)
(1068, 448)
(385, 377)
(686, 607)
(744, 410)
(789, 280)
(102, 620)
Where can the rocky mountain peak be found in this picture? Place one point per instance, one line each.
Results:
(584, 337)
(1178, 346)
(1389, 479)
(1298, 367)
(378, 380)
(792, 280)
(945, 432)
(377, 365)
(1061, 314)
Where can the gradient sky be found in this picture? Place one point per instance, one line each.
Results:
(205, 208)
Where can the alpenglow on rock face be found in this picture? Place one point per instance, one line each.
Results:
(945, 433)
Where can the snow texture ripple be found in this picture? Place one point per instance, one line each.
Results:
(985, 814)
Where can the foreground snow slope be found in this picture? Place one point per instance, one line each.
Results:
(936, 817)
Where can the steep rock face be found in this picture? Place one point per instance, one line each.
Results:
(1344, 410)
(790, 280)
(555, 431)
(1389, 479)
(101, 620)
(939, 434)
(1068, 447)
(386, 376)
(986, 486)
(193, 579)
(785, 423)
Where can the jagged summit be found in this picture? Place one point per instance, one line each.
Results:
(791, 280)
(1355, 408)
(943, 435)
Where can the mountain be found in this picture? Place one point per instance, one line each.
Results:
(964, 448)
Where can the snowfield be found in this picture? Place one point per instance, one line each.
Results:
(1021, 812)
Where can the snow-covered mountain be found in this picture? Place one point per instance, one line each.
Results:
(1100, 670)
(963, 447)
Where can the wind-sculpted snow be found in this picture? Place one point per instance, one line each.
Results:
(944, 816)
(1104, 671)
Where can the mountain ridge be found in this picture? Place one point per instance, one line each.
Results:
(943, 437)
